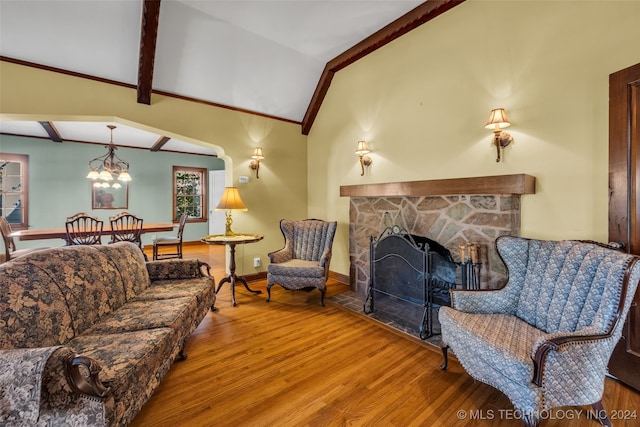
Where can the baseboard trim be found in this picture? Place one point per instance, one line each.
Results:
(342, 278)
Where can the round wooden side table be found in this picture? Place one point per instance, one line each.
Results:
(231, 242)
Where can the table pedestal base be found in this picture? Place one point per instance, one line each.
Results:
(232, 278)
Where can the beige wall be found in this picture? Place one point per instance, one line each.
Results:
(281, 191)
(422, 101)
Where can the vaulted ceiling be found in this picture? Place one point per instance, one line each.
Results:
(274, 58)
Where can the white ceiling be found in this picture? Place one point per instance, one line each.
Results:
(264, 56)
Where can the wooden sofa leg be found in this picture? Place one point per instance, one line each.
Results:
(444, 348)
(601, 414)
(268, 293)
(182, 355)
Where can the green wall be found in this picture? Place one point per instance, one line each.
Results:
(58, 187)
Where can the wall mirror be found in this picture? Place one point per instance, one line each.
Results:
(110, 198)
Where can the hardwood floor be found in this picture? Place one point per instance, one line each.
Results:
(292, 362)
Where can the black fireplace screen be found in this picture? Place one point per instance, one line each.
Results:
(410, 276)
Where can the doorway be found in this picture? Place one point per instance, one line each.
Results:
(216, 188)
(624, 205)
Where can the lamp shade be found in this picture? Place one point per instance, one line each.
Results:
(257, 154)
(362, 148)
(230, 200)
(497, 119)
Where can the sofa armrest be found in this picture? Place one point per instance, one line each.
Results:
(25, 378)
(83, 376)
(569, 346)
(484, 300)
(177, 269)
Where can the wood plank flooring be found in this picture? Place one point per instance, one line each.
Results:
(292, 362)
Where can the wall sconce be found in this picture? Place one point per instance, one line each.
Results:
(255, 163)
(364, 160)
(498, 121)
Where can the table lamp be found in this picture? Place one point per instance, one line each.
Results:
(230, 201)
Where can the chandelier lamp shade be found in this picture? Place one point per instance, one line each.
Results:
(109, 169)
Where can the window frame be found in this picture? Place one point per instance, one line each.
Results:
(203, 172)
(23, 159)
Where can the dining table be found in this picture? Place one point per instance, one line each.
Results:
(61, 232)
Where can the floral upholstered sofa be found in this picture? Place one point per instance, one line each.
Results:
(88, 332)
(546, 337)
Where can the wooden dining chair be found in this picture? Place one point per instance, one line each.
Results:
(126, 227)
(171, 242)
(10, 250)
(83, 229)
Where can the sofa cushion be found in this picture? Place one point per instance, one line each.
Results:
(129, 260)
(33, 312)
(129, 360)
(91, 284)
(500, 341)
(177, 314)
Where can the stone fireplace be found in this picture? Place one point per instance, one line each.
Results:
(451, 212)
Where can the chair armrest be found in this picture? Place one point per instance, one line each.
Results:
(325, 258)
(484, 300)
(568, 348)
(279, 256)
(177, 269)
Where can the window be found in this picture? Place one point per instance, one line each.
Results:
(14, 189)
(190, 193)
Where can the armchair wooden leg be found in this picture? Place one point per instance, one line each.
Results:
(268, 293)
(322, 297)
(444, 349)
(530, 420)
(601, 414)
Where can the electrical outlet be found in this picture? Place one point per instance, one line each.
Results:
(256, 262)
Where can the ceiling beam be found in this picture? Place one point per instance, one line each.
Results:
(148, 38)
(159, 143)
(51, 131)
(407, 22)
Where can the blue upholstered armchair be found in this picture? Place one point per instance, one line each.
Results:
(303, 263)
(545, 339)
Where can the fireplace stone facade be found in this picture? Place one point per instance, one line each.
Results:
(449, 220)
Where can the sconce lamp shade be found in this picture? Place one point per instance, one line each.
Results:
(257, 154)
(231, 201)
(362, 148)
(497, 119)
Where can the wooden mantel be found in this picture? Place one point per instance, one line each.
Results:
(500, 184)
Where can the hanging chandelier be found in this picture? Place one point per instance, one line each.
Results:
(109, 169)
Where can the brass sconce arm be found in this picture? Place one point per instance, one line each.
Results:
(365, 160)
(255, 163)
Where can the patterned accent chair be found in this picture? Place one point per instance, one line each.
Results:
(545, 338)
(303, 263)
